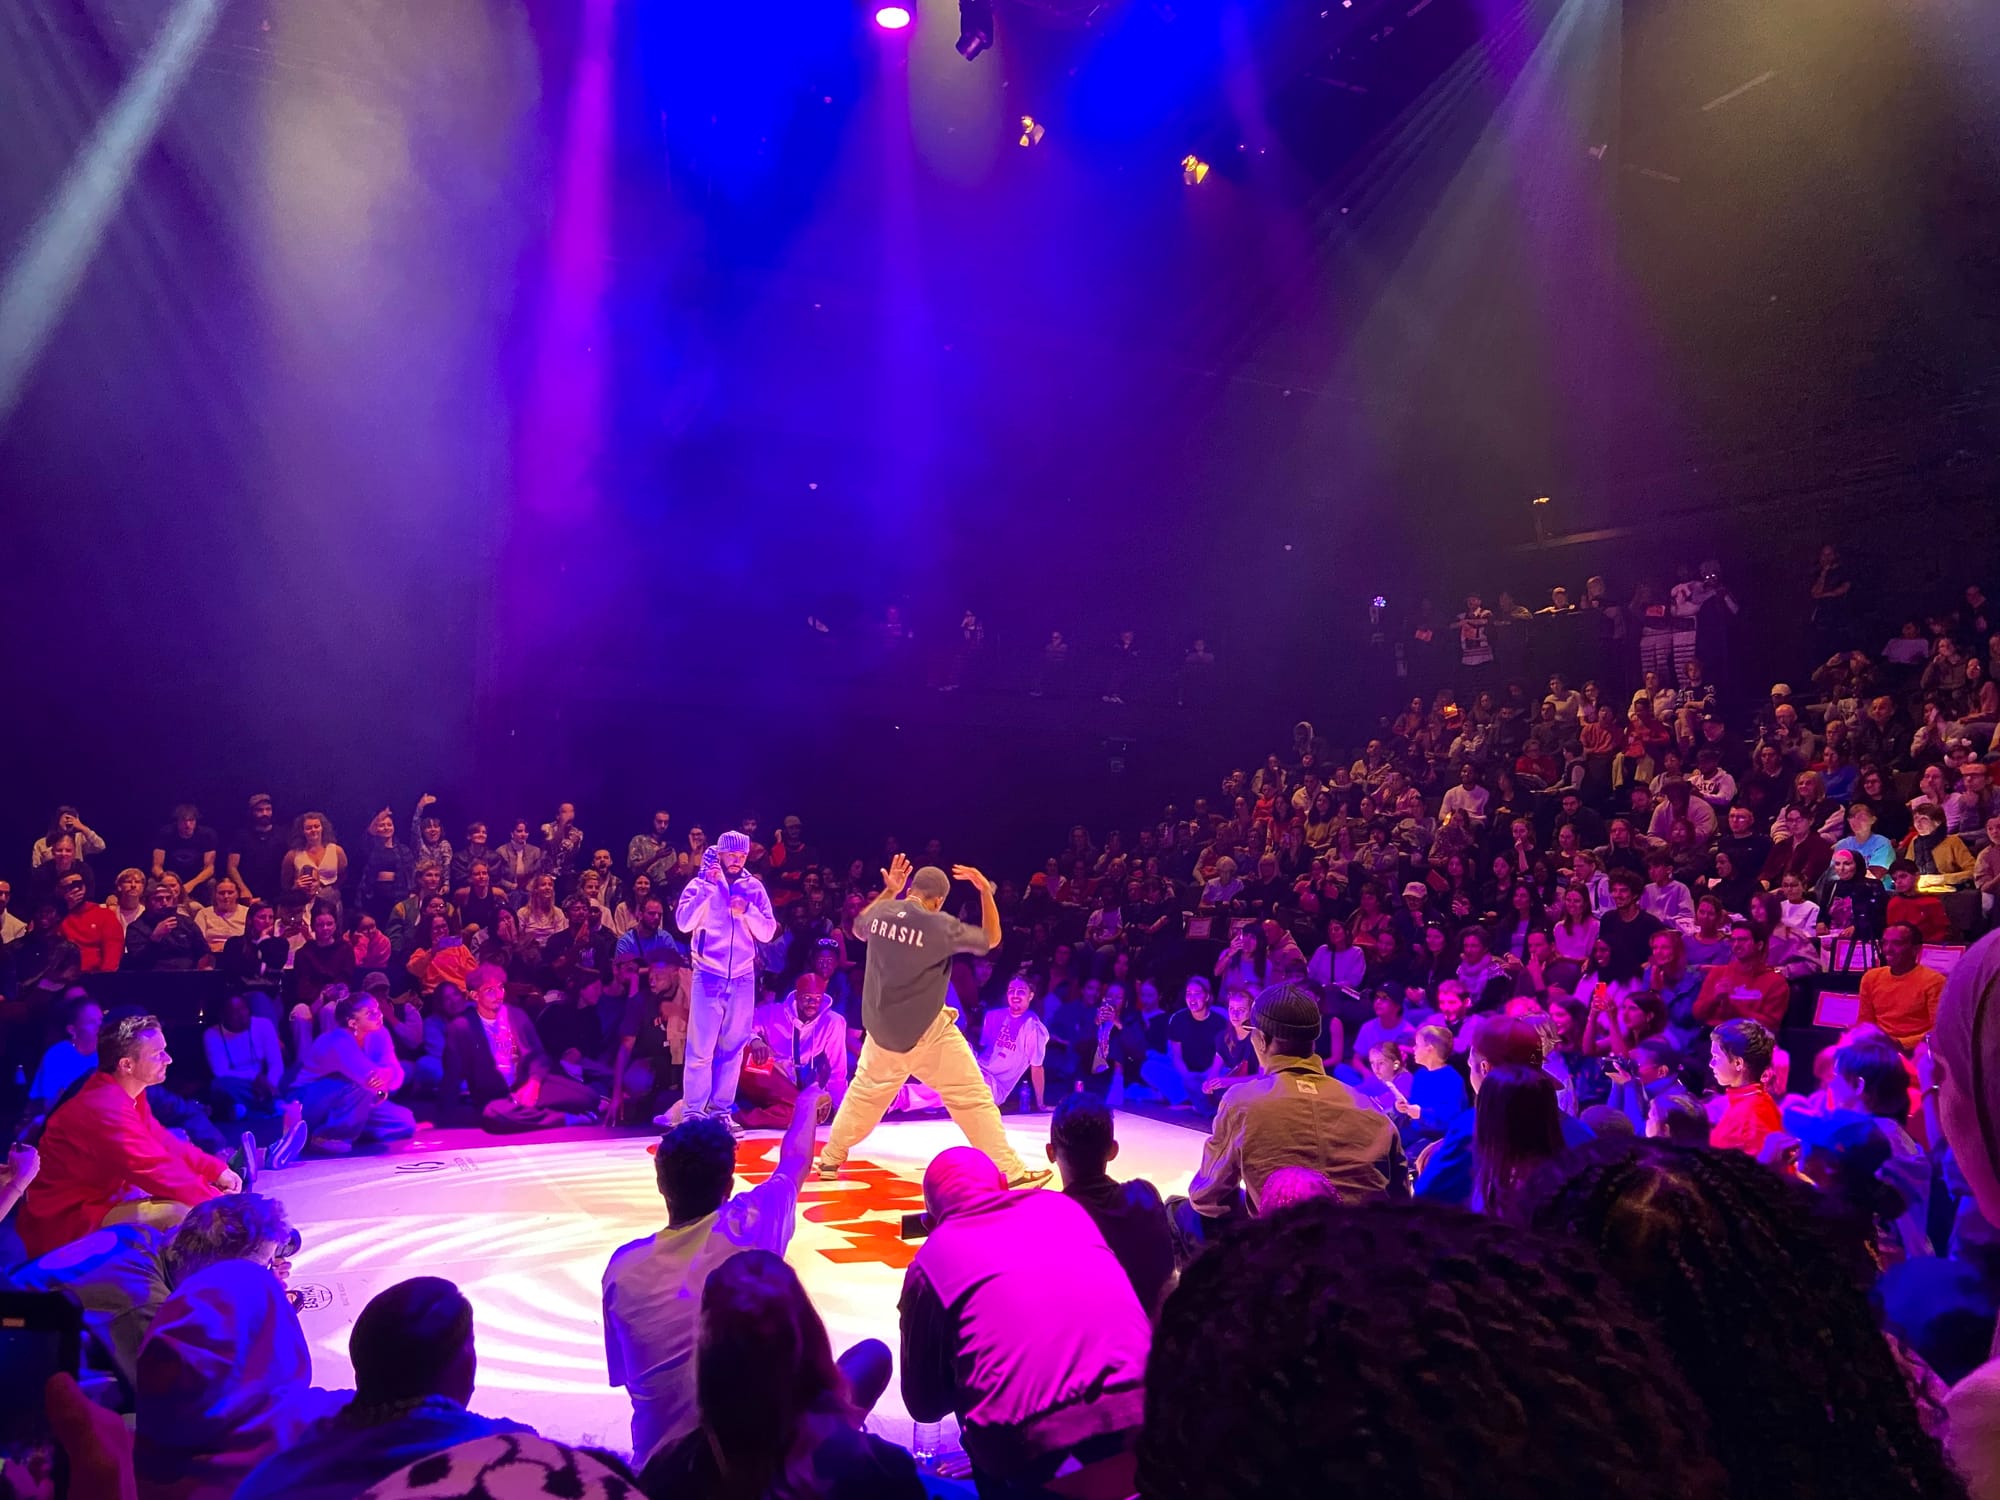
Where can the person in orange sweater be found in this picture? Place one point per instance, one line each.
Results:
(98, 934)
(105, 1159)
(1739, 1054)
(1901, 996)
(1746, 987)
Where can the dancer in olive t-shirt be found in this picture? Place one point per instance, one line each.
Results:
(911, 943)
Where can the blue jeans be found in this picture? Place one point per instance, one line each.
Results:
(345, 1111)
(718, 1029)
(1158, 1072)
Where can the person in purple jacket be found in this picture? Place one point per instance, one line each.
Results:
(1017, 1316)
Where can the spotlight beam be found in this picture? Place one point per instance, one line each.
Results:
(59, 248)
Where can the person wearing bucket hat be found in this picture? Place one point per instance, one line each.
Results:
(726, 913)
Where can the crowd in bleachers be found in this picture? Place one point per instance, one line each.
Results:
(1664, 980)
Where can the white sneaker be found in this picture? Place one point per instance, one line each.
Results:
(1029, 1178)
(674, 1114)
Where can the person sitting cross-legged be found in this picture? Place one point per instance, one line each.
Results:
(414, 1369)
(494, 1057)
(104, 1159)
(653, 1286)
(246, 1061)
(345, 1080)
(1129, 1215)
(1292, 1114)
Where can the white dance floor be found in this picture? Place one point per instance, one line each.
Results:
(525, 1230)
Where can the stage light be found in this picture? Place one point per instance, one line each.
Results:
(975, 27)
(1194, 171)
(892, 18)
(1032, 131)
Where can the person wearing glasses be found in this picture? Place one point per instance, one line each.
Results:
(98, 934)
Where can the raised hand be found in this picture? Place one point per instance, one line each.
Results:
(973, 878)
(897, 875)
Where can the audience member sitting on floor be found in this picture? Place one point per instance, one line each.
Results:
(800, 1039)
(1129, 1215)
(1517, 1128)
(1014, 1044)
(69, 1060)
(494, 1057)
(246, 1061)
(1017, 1317)
(122, 1273)
(345, 1079)
(225, 1381)
(780, 1417)
(1497, 1041)
(1293, 1114)
(1758, 1287)
(414, 1370)
(1338, 1352)
(104, 1159)
(652, 1286)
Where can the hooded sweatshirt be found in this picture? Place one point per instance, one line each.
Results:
(1018, 1317)
(725, 945)
(225, 1379)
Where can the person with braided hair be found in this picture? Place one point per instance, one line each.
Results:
(1759, 1286)
(1335, 1352)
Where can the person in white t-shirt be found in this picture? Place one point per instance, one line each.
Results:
(652, 1286)
(1465, 803)
(1014, 1042)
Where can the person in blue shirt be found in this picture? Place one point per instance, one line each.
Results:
(414, 1364)
(1497, 1041)
(1874, 853)
(69, 1059)
(1438, 1094)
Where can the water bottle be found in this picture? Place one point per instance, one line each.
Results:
(926, 1443)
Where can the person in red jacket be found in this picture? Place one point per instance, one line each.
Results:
(1746, 987)
(98, 934)
(1740, 1054)
(105, 1159)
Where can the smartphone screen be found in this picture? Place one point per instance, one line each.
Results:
(39, 1336)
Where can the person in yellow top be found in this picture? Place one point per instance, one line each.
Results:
(1901, 996)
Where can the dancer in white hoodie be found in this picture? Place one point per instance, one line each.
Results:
(725, 914)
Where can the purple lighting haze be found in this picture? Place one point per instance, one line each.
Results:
(892, 18)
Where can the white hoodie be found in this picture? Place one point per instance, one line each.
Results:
(724, 945)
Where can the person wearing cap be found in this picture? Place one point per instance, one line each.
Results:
(792, 1041)
(1291, 1114)
(911, 1032)
(726, 913)
(414, 1366)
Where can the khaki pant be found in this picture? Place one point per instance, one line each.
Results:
(942, 1061)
